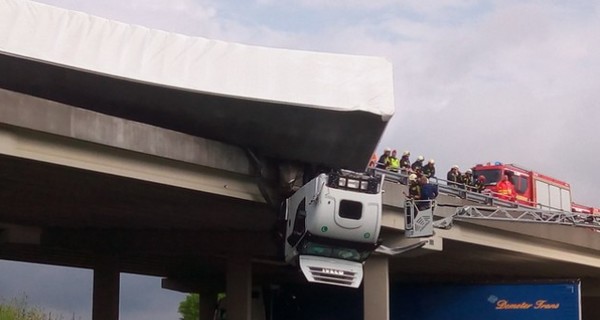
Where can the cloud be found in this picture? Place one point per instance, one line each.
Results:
(510, 86)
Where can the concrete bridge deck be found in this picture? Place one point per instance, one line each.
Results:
(80, 188)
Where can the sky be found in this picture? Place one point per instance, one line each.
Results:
(475, 81)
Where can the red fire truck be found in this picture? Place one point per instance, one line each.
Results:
(533, 189)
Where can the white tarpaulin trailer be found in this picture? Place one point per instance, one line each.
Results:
(320, 108)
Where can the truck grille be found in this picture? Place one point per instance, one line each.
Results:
(333, 276)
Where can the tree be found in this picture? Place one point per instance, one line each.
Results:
(189, 308)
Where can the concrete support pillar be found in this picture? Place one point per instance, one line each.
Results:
(239, 289)
(376, 286)
(105, 304)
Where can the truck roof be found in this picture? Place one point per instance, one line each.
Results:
(314, 107)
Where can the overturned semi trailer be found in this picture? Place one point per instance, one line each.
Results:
(318, 108)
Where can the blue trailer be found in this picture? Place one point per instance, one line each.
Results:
(514, 301)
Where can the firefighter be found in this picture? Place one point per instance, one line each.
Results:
(405, 160)
(429, 169)
(480, 184)
(373, 160)
(506, 190)
(467, 180)
(414, 189)
(418, 164)
(383, 159)
(392, 163)
(453, 176)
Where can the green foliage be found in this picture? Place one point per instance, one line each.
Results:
(17, 309)
(189, 307)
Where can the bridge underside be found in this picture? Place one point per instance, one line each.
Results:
(66, 216)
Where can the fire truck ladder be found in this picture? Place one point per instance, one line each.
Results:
(520, 215)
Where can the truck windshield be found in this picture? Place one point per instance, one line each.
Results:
(491, 176)
(331, 251)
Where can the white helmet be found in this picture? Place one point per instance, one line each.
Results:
(388, 149)
(455, 167)
(421, 158)
(412, 177)
(431, 161)
(469, 171)
(406, 153)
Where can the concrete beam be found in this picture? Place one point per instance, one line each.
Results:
(25, 111)
(39, 146)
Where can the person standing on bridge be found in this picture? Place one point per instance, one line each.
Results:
(373, 160)
(467, 180)
(429, 169)
(453, 176)
(506, 190)
(480, 184)
(383, 159)
(405, 161)
(418, 164)
(392, 163)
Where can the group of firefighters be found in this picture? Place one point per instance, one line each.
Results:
(390, 161)
(419, 173)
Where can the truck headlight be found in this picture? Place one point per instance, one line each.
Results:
(342, 182)
(353, 184)
(364, 185)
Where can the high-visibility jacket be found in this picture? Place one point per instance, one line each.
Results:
(373, 160)
(393, 164)
(506, 190)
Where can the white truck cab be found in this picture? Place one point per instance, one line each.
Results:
(332, 226)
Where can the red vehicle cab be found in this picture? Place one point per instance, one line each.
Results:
(533, 189)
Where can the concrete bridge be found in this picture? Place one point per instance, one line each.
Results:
(122, 152)
(89, 190)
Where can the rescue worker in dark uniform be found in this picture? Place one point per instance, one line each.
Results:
(414, 189)
(467, 180)
(405, 160)
(453, 176)
(383, 159)
(392, 163)
(418, 164)
(429, 169)
(480, 184)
